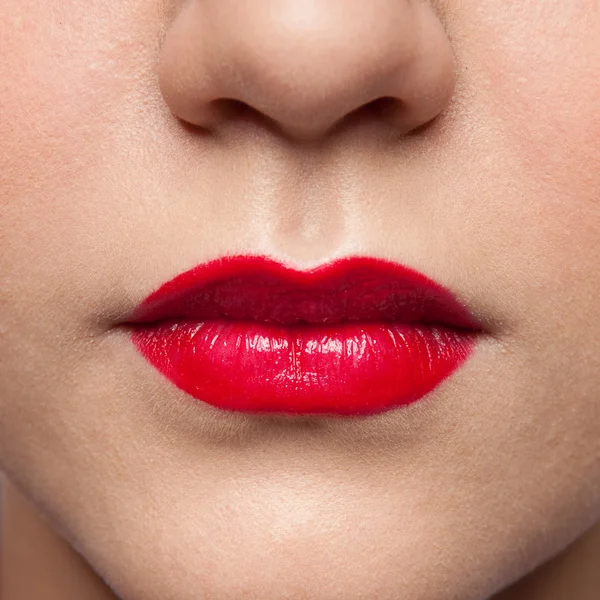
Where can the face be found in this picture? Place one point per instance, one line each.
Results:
(141, 138)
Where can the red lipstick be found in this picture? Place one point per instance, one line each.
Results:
(354, 337)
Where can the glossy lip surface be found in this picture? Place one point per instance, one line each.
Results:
(357, 336)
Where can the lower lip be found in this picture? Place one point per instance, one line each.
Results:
(343, 369)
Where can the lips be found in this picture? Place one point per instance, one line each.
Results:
(358, 336)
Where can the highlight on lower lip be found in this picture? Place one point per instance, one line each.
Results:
(346, 369)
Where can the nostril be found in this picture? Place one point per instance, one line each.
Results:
(384, 106)
(234, 110)
(230, 107)
(387, 108)
(383, 109)
(390, 109)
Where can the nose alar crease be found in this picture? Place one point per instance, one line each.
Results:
(306, 66)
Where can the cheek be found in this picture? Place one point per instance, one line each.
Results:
(543, 81)
(47, 95)
(69, 74)
(550, 116)
(65, 77)
(50, 95)
(536, 68)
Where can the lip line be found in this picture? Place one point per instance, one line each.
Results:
(167, 300)
(377, 335)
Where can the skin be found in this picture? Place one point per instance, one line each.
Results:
(481, 170)
(31, 545)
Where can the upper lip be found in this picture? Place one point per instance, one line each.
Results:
(260, 289)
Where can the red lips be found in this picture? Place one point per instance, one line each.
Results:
(355, 337)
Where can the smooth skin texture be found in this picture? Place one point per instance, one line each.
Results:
(139, 138)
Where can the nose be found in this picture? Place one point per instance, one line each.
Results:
(305, 66)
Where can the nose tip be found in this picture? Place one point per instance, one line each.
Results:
(307, 65)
